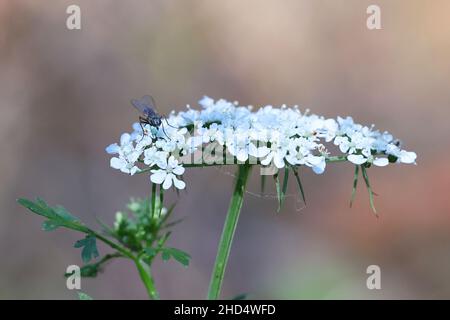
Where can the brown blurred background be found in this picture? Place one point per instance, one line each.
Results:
(64, 97)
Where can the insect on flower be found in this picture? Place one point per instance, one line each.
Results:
(146, 106)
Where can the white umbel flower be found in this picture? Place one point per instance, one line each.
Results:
(273, 136)
(167, 174)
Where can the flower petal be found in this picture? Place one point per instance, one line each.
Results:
(242, 155)
(158, 176)
(262, 152)
(408, 157)
(178, 170)
(112, 148)
(356, 159)
(125, 139)
(179, 184)
(267, 160)
(278, 161)
(134, 170)
(117, 163)
(172, 163)
(315, 160)
(320, 168)
(168, 182)
(381, 162)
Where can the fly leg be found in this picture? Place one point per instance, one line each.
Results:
(165, 133)
(143, 121)
(165, 118)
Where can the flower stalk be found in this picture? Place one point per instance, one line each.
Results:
(147, 279)
(229, 229)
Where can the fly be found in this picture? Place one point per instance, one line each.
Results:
(146, 106)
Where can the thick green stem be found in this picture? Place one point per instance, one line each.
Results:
(144, 272)
(147, 279)
(229, 228)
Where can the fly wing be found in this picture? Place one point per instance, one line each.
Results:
(145, 105)
(137, 103)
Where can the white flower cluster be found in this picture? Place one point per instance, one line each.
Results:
(270, 136)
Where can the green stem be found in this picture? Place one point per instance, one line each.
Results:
(124, 251)
(161, 200)
(154, 199)
(229, 228)
(145, 275)
(147, 279)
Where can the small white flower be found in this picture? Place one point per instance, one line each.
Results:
(167, 173)
(241, 146)
(124, 165)
(279, 146)
(212, 133)
(345, 145)
(328, 130)
(173, 139)
(299, 153)
(402, 155)
(154, 156)
(206, 102)
(185, 118)
(127, 155)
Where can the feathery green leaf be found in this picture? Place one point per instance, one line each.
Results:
(89, 248)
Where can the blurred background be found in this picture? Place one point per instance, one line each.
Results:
(64, 96)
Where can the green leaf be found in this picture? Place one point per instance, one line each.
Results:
(84, 296)
(62, 212)
(57, 216)
(50, 225)
(369, 188)
(39, 207)
(180, 256)
(355, 184)
(299, 182)
(89, 245)
(165, 255)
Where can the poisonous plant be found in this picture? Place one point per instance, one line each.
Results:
(278, 141)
